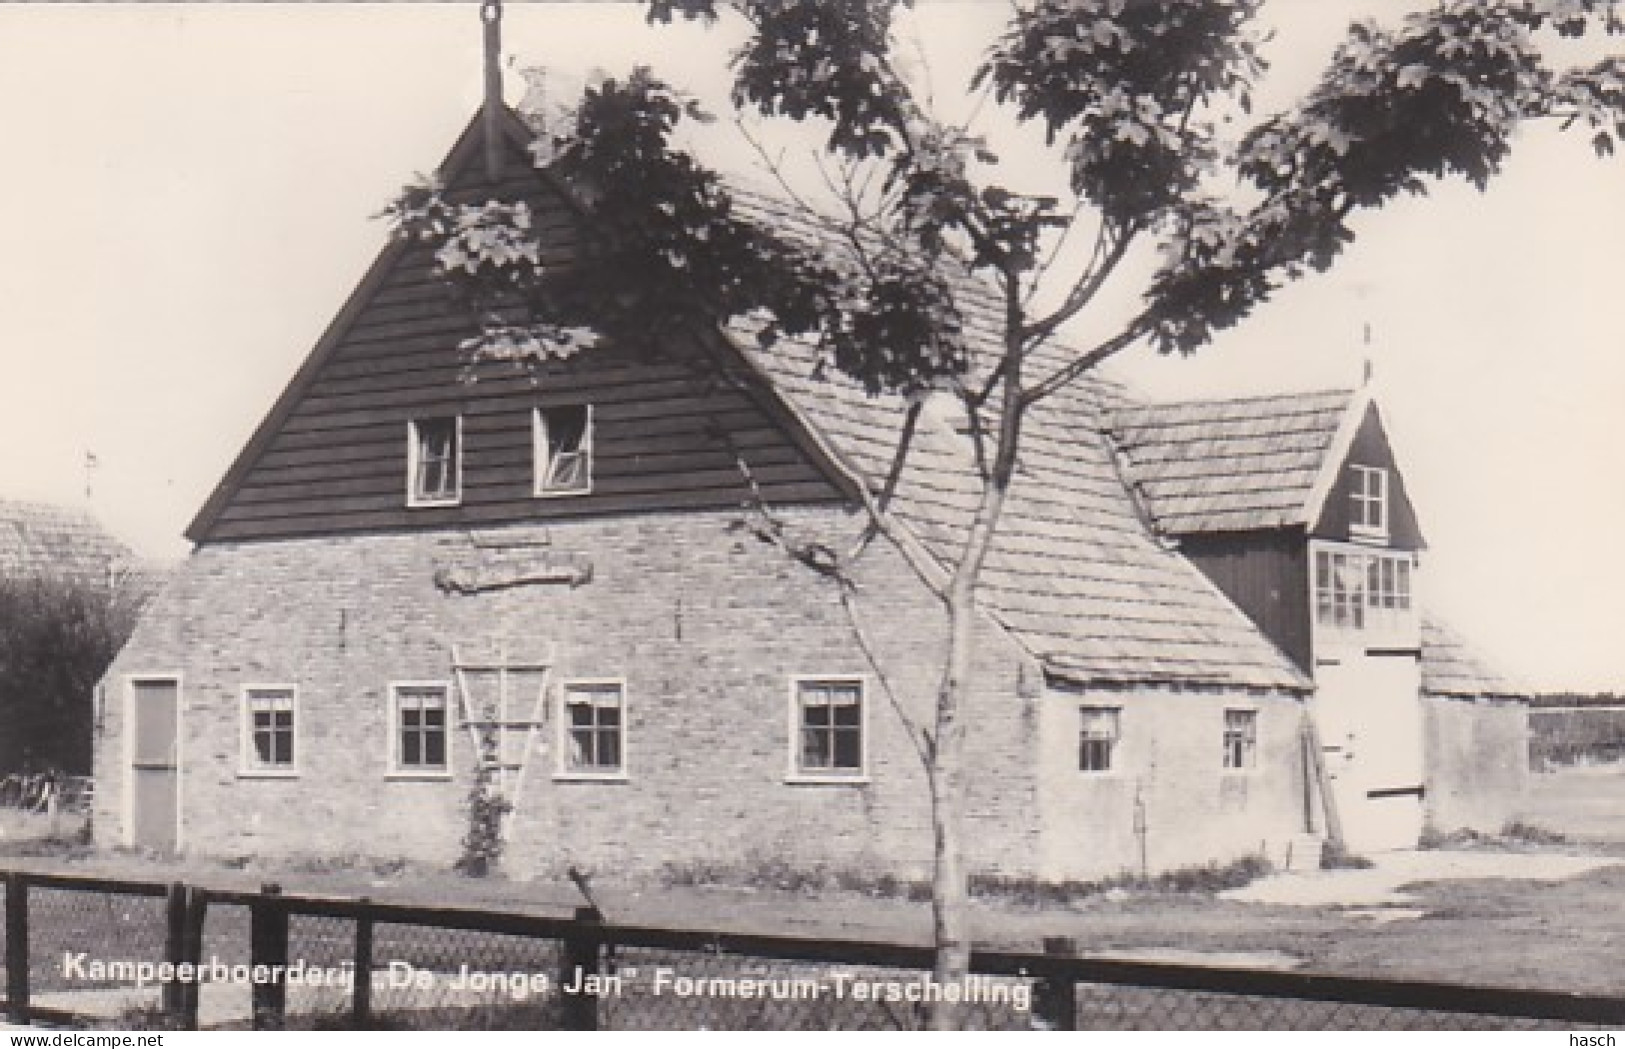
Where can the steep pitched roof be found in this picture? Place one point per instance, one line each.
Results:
(1232, 465)
(41, 539)
(1075, 573)
(1450, 667)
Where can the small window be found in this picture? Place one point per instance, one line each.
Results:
(434, 453)
(1240, 738)
(563, 435)
(268, 729)
(1368, 495)
(595, 729)
(829, 715)
(420, 729)
(1097, 738)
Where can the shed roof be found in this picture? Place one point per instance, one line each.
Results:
(1231, 465)
(1451, 667)
(42, 539)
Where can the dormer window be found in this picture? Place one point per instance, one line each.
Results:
(563, 435)
(1368, 496)
(434, 461)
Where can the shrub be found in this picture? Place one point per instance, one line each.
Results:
(1335, 856)
(1531, 834)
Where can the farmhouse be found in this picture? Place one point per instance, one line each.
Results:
(1200, 633)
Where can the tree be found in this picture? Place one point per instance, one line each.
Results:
(1133, 96)
(57, 636)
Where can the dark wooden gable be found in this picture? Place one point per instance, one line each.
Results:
(1265, 572)
(668, 433)
(1370, 447)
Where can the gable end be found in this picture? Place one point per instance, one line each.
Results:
(671, 432)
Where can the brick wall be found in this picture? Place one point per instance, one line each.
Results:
(1477, 761)
(705, 623)
(1169, 756)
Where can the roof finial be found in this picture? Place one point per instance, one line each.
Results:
(491, 17)
(1365, 379)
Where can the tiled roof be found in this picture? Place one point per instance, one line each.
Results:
(1450, 667)
(39, 539)
(1229, 465)
(1075, 573)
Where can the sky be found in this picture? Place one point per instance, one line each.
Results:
(191, 189)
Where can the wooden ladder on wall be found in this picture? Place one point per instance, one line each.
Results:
(504, 719)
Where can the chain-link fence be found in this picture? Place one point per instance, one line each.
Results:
(93, 951)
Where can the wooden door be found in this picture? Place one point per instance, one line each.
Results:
(155, 764)
(1369, 715)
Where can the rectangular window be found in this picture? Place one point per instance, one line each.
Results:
(420, 728)
(434, 454)
(829, 716)
(1097, 738)
(1240, 738)
(563, 436)
(1356, 590)
(1368, 496)
(268, 729)
(595, 727)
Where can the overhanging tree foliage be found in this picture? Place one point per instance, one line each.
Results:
(57, 637)
(1131, 95)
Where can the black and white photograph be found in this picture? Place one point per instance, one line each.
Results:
(813, 515)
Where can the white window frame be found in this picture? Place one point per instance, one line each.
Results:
(1362, 499)
(1379, 620)
(542, 456)
(562, 769)
(1113, 742)
(392, 742)
(1253, 740)
(414, 456)
(795, 773)
(248, 765)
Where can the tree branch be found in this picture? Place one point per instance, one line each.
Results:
(1079, 365)
(894, 475)
(1083, 292)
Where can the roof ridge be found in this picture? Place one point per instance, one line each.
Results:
(1328, 391)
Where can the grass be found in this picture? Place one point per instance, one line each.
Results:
(769, 874)
(764, 874)
(62, 835)
(1516, 836)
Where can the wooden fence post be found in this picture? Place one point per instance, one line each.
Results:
(268, 947)
(361, 1001)
(1055, 998)
(582, 959)
(17, 947)
(171, 997)
(197, 911)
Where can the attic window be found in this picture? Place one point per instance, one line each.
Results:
(563, 436)
(434, 461)
(1368, 498)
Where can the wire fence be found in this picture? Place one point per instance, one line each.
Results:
(86, 951)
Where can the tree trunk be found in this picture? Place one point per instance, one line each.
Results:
(950, 895)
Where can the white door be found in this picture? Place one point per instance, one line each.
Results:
(1369, 712)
